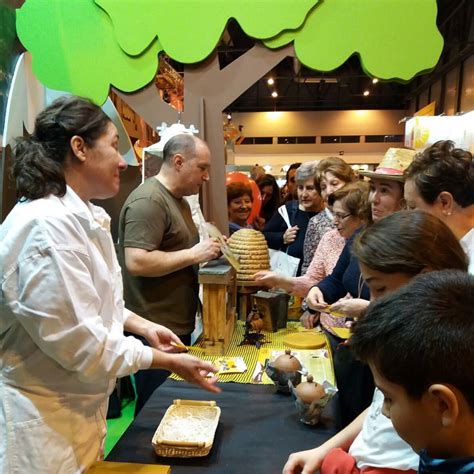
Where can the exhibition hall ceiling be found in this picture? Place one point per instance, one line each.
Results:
(300, 88)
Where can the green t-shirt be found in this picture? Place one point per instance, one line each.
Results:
(153, 219)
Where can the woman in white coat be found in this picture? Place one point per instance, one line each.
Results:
(61, 310)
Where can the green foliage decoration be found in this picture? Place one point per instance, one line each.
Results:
(189, 30)
(84, 46)
(394, 38)
(74, 49)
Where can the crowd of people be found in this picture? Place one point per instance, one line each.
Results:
(369, 235)
(385, 253)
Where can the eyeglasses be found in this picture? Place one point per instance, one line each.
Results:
(340, 217)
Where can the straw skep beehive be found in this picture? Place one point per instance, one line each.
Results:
(251, 249)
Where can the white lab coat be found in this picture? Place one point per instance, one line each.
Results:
(61, 335)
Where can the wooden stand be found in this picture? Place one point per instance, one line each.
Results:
(219, 303)
(245, 289)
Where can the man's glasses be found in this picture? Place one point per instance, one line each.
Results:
(339, 216)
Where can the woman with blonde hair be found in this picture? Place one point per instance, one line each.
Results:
(333, 173)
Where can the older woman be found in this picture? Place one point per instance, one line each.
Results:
(351, 210)
(62, 317)
(333, 174)
(239, 206)
(291, 239)
(441, 181)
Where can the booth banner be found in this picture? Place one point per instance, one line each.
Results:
(422, 132)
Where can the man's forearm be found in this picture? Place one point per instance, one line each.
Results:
(156, 263)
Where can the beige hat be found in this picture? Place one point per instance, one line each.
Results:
(393, 164)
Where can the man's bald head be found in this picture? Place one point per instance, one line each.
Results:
(183, 144)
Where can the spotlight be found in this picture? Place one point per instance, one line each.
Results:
(270, 81)
(366, 93)
(274, 94)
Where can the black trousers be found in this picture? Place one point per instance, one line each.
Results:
(147, 381)
(355, 382)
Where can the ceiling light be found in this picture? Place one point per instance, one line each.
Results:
(375, 80)
(274, 94)
(274, 115)
(229, 117)
(316, 80)
(270, 81)
(366, 93)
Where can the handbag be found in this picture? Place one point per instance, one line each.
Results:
(280, 261)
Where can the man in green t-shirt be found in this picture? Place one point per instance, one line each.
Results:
(159, 247)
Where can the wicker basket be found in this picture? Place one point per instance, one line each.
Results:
(182, 412)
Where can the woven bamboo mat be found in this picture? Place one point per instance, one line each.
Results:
(317, 361)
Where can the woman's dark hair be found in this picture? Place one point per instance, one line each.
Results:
(442, 167)
(356, 199)
(236, 190)
(270, 207)
(409, 242)
(39, 160)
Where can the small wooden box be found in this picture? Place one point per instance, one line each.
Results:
(219, 306)
(274, 307)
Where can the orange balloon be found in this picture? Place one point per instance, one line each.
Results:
(257, 201)
(237, 177)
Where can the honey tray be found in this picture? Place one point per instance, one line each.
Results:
(187, 429)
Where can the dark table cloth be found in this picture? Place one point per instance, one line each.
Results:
(258, 429)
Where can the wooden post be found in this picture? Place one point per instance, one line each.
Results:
(219, 306)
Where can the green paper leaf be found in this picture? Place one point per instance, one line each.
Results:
(189, 30)
(74, 49)
(395, 39)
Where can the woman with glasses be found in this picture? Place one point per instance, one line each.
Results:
(350, 210)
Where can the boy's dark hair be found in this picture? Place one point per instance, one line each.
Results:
(442, 167)
(422, 334)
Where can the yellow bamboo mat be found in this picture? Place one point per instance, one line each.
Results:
(317, 361)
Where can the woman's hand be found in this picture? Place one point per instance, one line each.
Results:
(193, 370)
(315, 299)
(309, 320)
(307, 462)
(259, 223)
(351, 307)
(289, 236)
(161, 338)
(268, 278)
